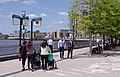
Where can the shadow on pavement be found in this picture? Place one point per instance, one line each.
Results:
(112, 54)
(103, 55)
(88, 56)
(61, 59)
(12, 73)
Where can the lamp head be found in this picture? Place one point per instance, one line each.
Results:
(23, 13)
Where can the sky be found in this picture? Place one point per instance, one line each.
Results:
(53, 12)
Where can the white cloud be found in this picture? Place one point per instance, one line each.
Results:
(5, 1)
(34, 15)
(29, 2)
(60, 22)
(43, 15)
(63, 13)
(12, 13)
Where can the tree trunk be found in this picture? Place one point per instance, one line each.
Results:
(103, 41)
(90, 51)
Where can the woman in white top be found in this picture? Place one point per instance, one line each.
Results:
(45, 51)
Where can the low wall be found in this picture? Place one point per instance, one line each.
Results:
(15, 56)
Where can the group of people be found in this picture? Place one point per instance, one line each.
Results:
(62, 46)
(27, 51)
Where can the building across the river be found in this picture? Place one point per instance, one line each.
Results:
(66, 33)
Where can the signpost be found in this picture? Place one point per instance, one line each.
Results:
(35, 22)
(22, 21)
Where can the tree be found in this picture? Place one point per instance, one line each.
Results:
(74, 12)
(106, 18)
(98, 17)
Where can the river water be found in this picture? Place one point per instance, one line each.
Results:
(12, 46)
(8, 47)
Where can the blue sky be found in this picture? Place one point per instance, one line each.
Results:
(53, 12)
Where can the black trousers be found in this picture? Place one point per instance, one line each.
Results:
(30, 60)
(44, 59)
(51, 47)
(70, 52)
(61, 49)
(23, 60)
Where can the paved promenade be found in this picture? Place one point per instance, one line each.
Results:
(82, 65)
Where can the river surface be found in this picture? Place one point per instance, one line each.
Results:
(12, 46)
(8, 47)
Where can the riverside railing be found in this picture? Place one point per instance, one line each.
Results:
(8, 52)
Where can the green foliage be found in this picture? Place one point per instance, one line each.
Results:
(103, 16)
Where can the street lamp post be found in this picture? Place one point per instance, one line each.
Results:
(20, 20)
(24, 23)
(76, 33)
(37, 22)
(20, 33)
(24, 31)
(73, 25)
(31, 30)
(73, 29)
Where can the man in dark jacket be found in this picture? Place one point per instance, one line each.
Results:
(70, 48)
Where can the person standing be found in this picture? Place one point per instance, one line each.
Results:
(30, 54)
(23, 54)
(61, 47)
(70, 48)
(114, 45)
(45, 51)
(50, 44)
